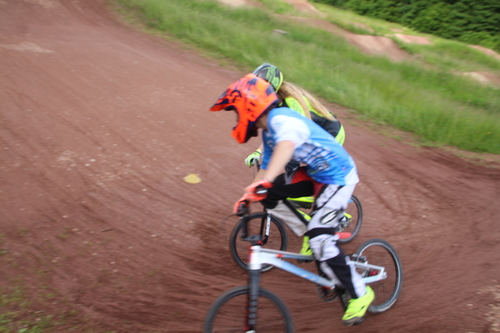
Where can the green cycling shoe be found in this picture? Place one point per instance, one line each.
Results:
(357, 307)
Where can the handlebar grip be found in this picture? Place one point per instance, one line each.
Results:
(242, 208)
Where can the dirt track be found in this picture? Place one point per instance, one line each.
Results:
(100, 123)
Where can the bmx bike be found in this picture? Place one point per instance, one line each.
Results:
(252, 308)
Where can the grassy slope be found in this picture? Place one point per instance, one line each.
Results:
(420, 96)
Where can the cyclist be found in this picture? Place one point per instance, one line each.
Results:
(303, 103)
(288, 136)
(300, 101)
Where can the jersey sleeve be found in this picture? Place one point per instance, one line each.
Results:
(265, 157)
(285, 128)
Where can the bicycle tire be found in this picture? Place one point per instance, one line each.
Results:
(278, 238)
(272, 313)
(354, 225)
(380, 252)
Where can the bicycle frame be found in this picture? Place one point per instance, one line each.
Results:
(260, 256)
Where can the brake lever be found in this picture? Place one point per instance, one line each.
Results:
(242, 209)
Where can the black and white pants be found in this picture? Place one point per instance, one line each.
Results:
(330, 204)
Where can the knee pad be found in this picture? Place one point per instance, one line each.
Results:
(324, 247)
(330, 217)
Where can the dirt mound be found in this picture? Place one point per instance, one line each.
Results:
(484, 77)
(372, 45)
(303, 6)
(376, 45)
(240, 3)
(486, 51)
(99, 231)
(413, 39)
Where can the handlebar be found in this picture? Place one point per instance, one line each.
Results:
(244, 210)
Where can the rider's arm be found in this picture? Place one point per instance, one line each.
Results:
(281, 155)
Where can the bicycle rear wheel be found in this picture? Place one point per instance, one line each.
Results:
(230, 311)
(352, 219)
(258, 224)
(379, 252)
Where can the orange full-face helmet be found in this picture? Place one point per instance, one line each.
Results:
(250, 97)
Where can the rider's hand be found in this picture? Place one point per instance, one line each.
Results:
(253, 158)
(255, 192)
(258, 190)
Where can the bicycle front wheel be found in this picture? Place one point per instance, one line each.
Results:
(352, 219)
(268, 227)
(380, 253)
(229, 313)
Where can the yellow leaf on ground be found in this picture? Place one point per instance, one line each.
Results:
(192, 179)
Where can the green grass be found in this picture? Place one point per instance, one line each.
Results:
(27, 311)
(15, 314)
(421, 96)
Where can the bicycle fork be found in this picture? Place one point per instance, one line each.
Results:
(254, 286)
(265, 229)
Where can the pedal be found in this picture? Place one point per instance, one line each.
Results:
(326, 294)
(359, 322)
